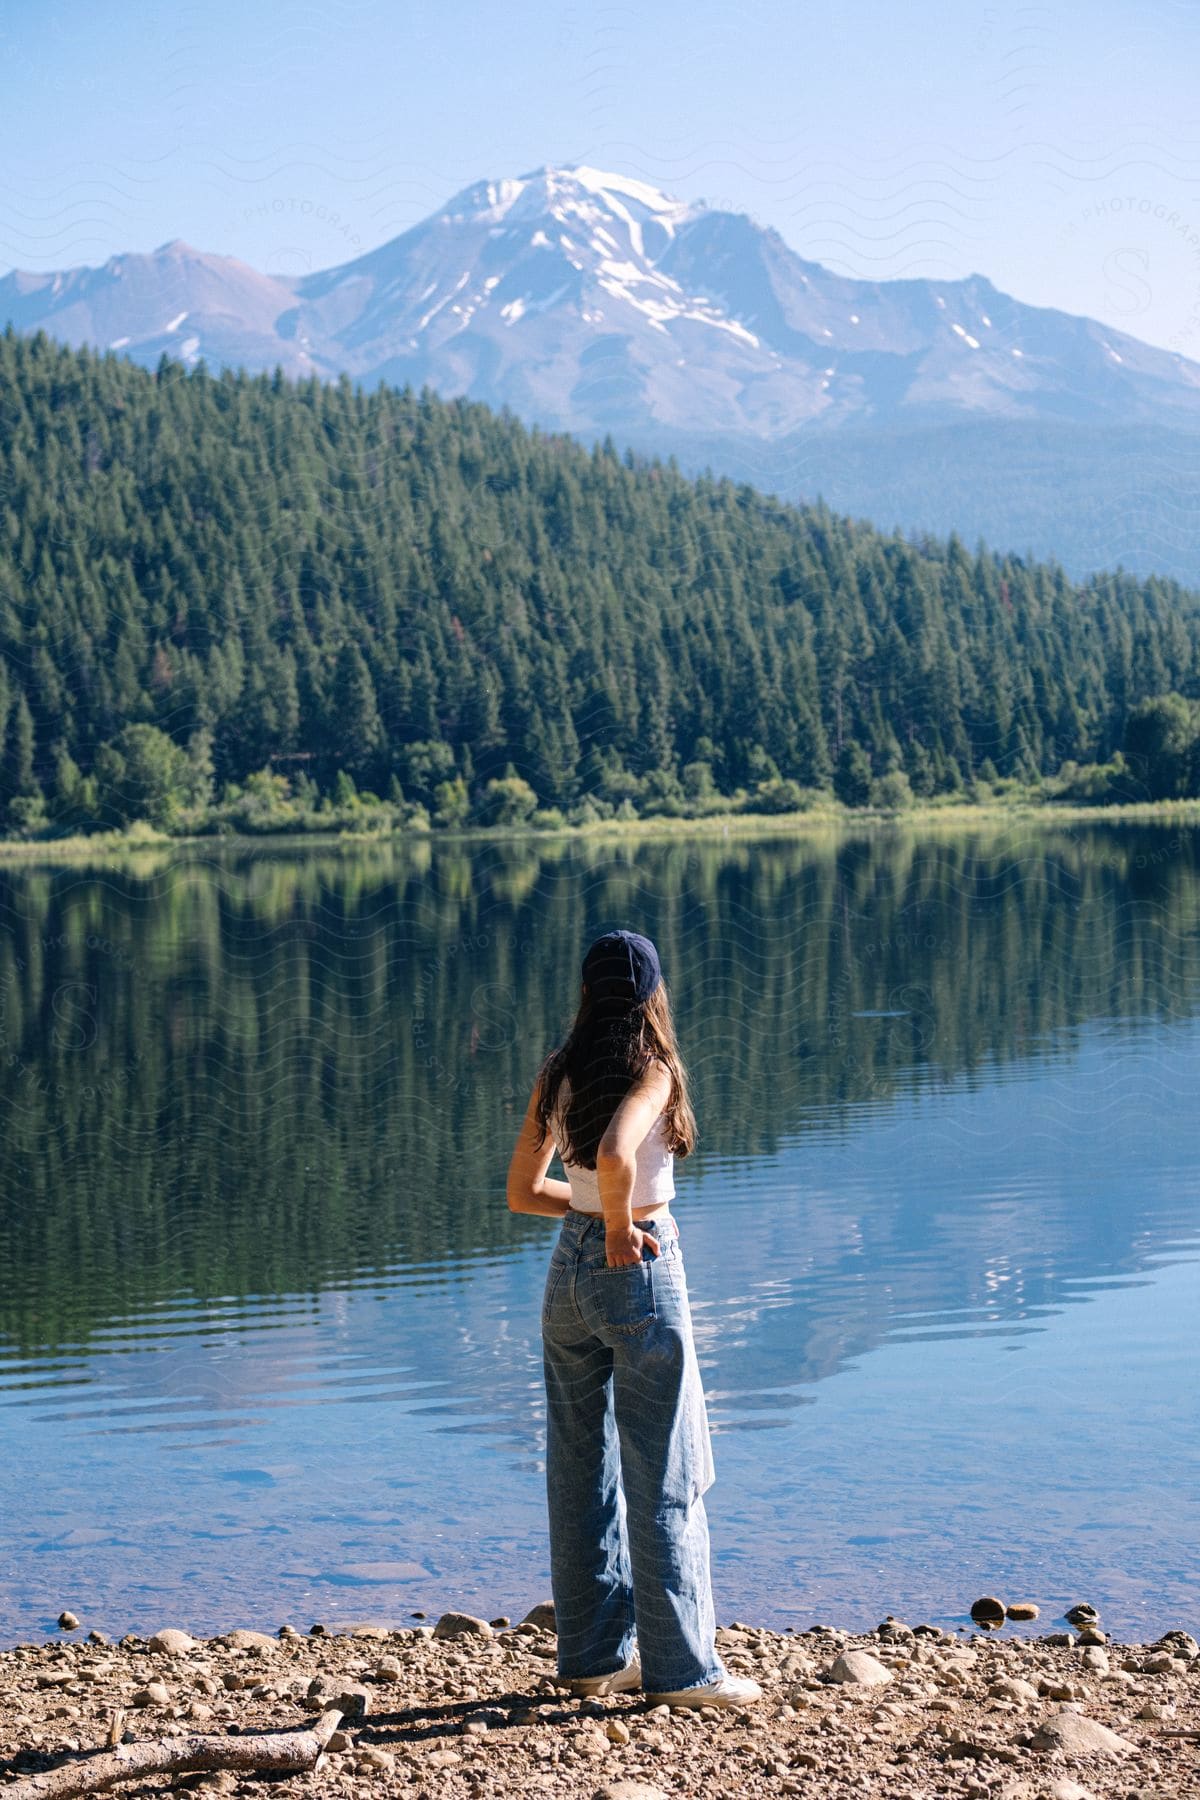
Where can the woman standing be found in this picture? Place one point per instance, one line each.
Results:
(628, 1455)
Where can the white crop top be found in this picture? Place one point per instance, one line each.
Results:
(654, 1176)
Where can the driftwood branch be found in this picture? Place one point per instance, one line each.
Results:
(286, 1751)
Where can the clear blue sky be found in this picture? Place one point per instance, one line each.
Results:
(1053, 148)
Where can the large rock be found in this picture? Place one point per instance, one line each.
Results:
(457, 1625)
(1076, 1735)
(172, 1642)
(859, 1668)
(249, 1640)
(542, 1614)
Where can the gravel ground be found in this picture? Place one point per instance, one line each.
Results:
(470, 1708)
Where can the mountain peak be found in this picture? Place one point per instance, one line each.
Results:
(603, 183)
(578, 190)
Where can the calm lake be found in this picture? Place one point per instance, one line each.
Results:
(269, 1334)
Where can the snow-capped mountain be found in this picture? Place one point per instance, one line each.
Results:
(592, 303)
(588, 300)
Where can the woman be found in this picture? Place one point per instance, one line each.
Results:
(627, 1443)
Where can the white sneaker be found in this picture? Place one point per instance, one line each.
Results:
(586, 1687)
(727, 1690)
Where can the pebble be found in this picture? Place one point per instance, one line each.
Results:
(68, 1621)
(153, 1694)
(542, 1614)
(489, 1718)
(1013, 1687)
(371, 1758)
(250, 1640)
(172, 1642)
(1060, 1690)
(1083, 1614)
(629, 1790)
(1022, 1609)
(354, 1701)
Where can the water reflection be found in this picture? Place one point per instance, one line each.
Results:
(257, 1112)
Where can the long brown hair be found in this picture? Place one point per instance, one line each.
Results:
(611, 1044)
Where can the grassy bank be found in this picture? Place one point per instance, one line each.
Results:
(949, 815)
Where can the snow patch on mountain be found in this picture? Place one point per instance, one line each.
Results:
(598, 182)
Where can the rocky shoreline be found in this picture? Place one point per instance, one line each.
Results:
(467, 1707)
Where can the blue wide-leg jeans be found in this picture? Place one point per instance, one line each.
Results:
(628, 1457)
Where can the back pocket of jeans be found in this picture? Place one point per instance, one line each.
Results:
(625, 1295)
(555, 1276)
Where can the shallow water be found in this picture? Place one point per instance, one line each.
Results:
(264, 1310)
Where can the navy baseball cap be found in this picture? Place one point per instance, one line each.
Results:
(622, 965)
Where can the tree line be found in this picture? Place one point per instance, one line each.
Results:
(235, 601)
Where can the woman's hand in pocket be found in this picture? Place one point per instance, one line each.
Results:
(623, 1245)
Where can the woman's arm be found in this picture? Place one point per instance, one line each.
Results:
(616, 1163)
(530, 1190)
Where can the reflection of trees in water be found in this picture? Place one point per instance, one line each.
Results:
(230, 1074)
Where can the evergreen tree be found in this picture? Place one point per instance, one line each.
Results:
(356, 729)
(852, 782)
(1160, 740)
(19, 759)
